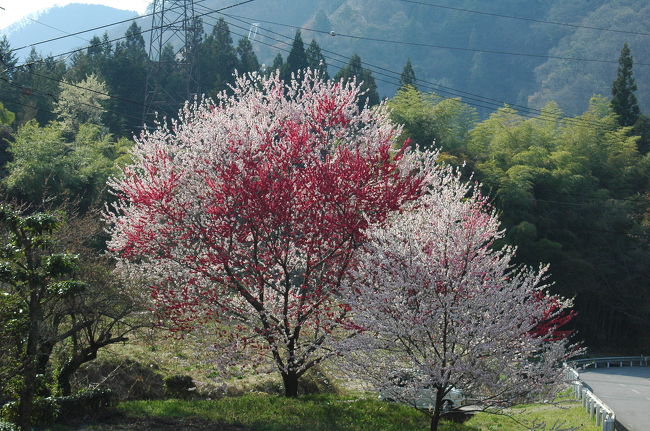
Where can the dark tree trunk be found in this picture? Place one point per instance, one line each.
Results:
(26, 403)
(435, 417)
(65, 374)
(290, 380)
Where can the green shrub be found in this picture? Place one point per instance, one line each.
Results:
(180, 386)
(48, 410)
(128, 379)
(86, 403)
(7, 426)
(45, 411)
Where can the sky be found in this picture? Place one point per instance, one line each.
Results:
(14, 10)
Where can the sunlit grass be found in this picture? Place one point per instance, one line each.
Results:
(260, 412)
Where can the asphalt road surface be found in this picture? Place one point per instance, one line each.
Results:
(626, 390)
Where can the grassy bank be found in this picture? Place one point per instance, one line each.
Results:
(260, 412)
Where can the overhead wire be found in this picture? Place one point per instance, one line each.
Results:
(137, 33)
(474, 99)
(57, 29)
(478, 100)
(429, 45)
(55, 99)
(31, 71)
(100, 27)
(540, 21)
(393, 76)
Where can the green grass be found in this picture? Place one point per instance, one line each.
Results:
(260, 412)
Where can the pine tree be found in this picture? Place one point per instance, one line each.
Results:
(297, 58)
(354, 70)
(278, 63)
(247, 58)
(408, 76)
(217, 59)
(624, 102)
(316, 60)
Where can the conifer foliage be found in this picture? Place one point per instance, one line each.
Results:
(624, 101)
(408, 76)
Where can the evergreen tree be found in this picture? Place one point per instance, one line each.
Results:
(408, 76)
(218, 59)
(126, 75)
(247, 58)
(297, 58)
(624, 102)
(316, 60)
(8, 94)
(278, 63)
(38, 86)
(354, 70)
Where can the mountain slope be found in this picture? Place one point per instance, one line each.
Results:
(67, 19)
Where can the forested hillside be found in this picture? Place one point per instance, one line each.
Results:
(319, 165)
(471, 43)
(461, 35)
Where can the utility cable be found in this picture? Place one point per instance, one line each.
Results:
(54, 98)
(429, 45)
(103, 43)
(477, 100)
(122, 37)
(541, 21)
(92, 29)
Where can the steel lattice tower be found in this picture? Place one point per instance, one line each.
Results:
(173, 23)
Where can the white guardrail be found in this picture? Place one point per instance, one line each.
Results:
(604, 415)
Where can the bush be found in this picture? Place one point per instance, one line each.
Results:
(44, 412)
(315, 381)
(128, 379)
(86, 403)
(49, 410)
(7, 426)
(180, 386)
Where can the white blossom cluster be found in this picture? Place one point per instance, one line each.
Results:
(439, 307)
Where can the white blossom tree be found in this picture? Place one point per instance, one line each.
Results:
(439, 307)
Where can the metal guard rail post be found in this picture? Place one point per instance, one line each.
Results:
(604, 416)
(607, 362)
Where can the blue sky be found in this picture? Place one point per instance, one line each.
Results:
(15, 10)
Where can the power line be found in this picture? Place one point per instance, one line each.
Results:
(541, 21)
(429, 45)
(57, 29)
(392, 75)
(117, 38)
(478, 100)
(104, 43)
(81, 31)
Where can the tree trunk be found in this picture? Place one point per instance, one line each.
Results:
(65, 374)
(435, 417)
(290, 380)
(28, 390)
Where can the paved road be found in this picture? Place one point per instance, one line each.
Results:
(626, 390)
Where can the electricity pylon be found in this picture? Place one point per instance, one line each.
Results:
(173, 27)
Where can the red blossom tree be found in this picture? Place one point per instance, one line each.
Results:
(249, 211)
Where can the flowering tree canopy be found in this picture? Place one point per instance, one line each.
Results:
(440, 308)
(249, 211)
